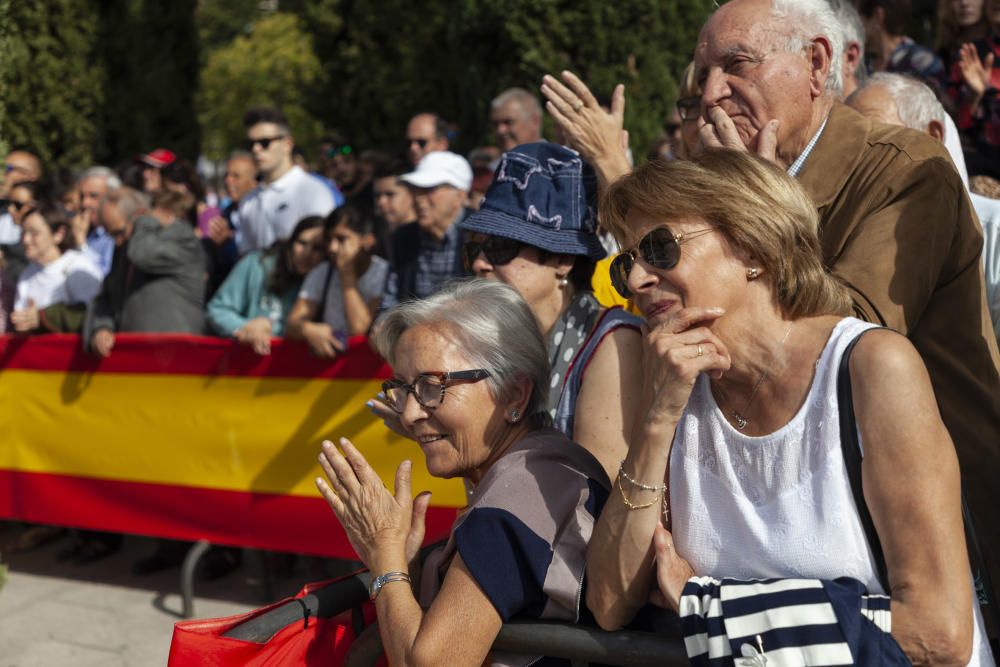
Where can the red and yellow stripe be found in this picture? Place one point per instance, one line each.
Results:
(192, 438)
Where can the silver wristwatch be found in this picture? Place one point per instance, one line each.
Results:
(378, 582)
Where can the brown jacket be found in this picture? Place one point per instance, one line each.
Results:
(897, 225)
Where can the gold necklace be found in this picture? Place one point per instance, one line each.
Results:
(737, 415)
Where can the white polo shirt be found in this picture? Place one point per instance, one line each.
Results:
(271, 211)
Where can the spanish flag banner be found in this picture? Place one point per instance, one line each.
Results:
(192, 438)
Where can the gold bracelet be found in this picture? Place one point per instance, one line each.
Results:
(635, 506)
(639, 485)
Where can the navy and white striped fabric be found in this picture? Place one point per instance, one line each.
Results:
(777, 622)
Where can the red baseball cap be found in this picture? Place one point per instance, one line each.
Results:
(159, 158)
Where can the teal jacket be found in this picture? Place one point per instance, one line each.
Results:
(244, 296)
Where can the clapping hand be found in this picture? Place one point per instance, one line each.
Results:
(373, 518)
(975, 72)
(25, 320)
(598, 135)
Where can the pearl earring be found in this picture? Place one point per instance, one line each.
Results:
(563, 282)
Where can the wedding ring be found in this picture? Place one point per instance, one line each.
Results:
(577, 105)
(700, 351)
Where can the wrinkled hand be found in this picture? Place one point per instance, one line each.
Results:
(672, 571)
(219, 230)
(25, 320)
(975, 72)
(388, 416)
(672, 363)
(257, 334)
(721, 132)
(103, 342)
(319, 336)
(373, 518)
(598, 135)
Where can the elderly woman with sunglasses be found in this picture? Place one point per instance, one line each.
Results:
(535, 232)
(470, 380)
(739, 451)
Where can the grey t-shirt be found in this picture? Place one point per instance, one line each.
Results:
(370, 285)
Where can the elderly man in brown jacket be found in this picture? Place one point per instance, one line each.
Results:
(897, 224)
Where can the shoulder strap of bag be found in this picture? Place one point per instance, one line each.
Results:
(321, 311)
(850, 446)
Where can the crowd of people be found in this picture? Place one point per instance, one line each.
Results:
(756, 373)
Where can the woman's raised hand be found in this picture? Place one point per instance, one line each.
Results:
(389, 417)
(373, 518)
(975, 72)
(598, 135)
(675, 352)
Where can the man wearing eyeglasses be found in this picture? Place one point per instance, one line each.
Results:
(426, 132)
(19, 166)
(286, 193)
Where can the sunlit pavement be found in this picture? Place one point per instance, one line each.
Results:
(53, 613)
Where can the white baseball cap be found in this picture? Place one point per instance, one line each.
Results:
(441, 168)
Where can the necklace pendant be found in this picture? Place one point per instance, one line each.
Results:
(741, 422)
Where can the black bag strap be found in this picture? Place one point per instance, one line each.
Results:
(850, 446)
(321, 310)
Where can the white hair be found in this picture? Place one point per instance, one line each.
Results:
(493, 327)
(853, 30)
(807, 20)
(529, 103)
(107, 173)
(916, 102)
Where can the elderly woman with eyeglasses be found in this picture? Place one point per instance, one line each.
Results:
(535, 231)
(745, 440)
(470, 379)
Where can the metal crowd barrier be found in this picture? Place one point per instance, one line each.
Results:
(579, 644)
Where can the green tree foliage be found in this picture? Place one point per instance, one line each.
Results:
(150, 55)
(51, 83)
(273, 65)
(388, 60)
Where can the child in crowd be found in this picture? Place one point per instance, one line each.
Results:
(340, 297)
(256, 298)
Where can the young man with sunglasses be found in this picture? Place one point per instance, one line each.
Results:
(425, 133)
(286, 193)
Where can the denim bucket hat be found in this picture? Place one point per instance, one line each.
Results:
(542, 194)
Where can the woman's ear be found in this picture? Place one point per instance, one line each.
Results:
(59, 235)
(517, 401)
(368, 242)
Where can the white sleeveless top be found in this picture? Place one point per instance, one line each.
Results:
(778, 505)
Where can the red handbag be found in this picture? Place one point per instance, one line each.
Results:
(320, 632)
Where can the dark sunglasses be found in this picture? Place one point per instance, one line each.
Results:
(18, 205)
(689, 108)
(265, 142)
(428, 388)
(498, 251)
(660, 248)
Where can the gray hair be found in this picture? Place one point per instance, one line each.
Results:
(239, 155)
(129, 201)
(529, 103)
(806, 20)
(853, 30)
(916, 102)
(107, 173)
(494, 328)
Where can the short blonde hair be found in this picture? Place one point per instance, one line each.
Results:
(759, 209)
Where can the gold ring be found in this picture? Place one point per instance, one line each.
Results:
(577, 106)
(700, 351)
